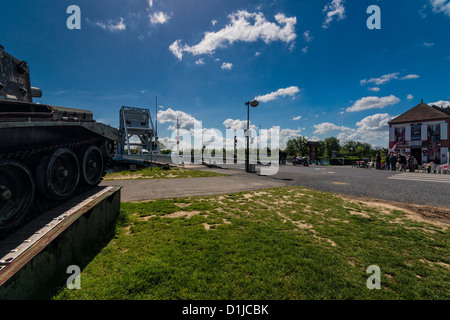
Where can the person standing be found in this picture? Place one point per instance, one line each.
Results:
(408, 161)
(393, 161)
(413, 164)
(283, 157)
(387, 164)
(403, 162)
(378, 161)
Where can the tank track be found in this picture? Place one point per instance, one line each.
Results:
(40, 203)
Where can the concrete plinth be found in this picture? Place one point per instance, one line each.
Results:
(39, 254)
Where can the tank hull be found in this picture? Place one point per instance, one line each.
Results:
(48, 153)
(60, 153)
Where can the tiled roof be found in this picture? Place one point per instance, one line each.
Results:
(422, 112)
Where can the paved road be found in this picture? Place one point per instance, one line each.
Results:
(431, 189)
(413, 188)
(146, 189)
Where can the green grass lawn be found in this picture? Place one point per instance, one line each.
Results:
(273, 244)
(159, 173)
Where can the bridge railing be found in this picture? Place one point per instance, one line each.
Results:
(179, 160)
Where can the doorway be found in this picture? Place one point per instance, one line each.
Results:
(417, 153)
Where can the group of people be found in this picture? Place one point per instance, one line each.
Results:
(398, 162)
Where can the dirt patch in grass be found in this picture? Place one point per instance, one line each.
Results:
(436, 216)
(303, 225)
(362, 214)
(178, 214)
(182, 205)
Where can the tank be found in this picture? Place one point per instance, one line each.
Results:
(48, 154)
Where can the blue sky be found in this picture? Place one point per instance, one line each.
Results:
(316, 68)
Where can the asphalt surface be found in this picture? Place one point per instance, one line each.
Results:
(345, 180)
(148, 189)
(371, 183)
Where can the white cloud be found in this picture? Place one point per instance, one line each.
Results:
(227, 66)
(286, 135)
(428, 44)
(291, 91)
(176, 49)
(441, 6)
(409, 97)
(376, 122)
(186, 121)
(257, 54)
(237, 124)
(372, 129)
(159, 18)
(327, 127)
(440, 103)
(150, 3)
(305, 49)
(297, 118)
(381, 80)
(213, 22)
(386, 79)
(111, 25)
(307, 36)
(367, 103)
(410, 76)
(244, 27)
(334, 9)
(200, 62)
(422, 12)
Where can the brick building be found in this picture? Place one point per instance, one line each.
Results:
(424, 131)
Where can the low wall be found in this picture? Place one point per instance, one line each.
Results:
(43, 267)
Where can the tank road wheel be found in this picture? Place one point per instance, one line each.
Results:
(108, 148)
(57, 175)
(16, 194)
(91, 165)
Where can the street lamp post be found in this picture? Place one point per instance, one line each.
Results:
(254, 104)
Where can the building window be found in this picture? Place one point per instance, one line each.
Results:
(416, 132)
(434, 138)
(399, 134)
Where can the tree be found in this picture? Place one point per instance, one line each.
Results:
(321, 149)
(332, 144)
(349, 148)
(297, 146)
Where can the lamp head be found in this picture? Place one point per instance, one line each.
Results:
(254, 103)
